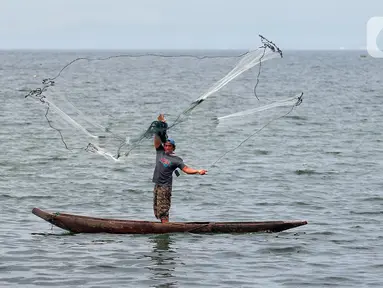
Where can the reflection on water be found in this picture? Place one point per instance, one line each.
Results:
(163, 260)
(53, 234)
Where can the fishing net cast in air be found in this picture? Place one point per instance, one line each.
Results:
(117, 141)
(290, 102)
(267, 51)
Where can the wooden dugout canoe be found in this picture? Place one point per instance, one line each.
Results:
(85, 224)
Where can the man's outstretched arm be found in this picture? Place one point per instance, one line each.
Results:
(157, 139)
(189, 170)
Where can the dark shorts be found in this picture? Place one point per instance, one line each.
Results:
(161, 201)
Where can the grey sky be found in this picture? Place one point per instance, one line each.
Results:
(172, 24)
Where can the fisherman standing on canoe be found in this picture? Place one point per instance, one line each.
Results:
(166, 163)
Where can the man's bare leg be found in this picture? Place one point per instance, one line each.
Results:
(164, 219)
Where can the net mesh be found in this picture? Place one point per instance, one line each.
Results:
(92, 107)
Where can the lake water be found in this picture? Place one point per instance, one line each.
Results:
(322, 163)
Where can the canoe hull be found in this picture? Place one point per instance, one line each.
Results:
(85, 224)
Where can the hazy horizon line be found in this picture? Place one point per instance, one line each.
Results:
(176, 49)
